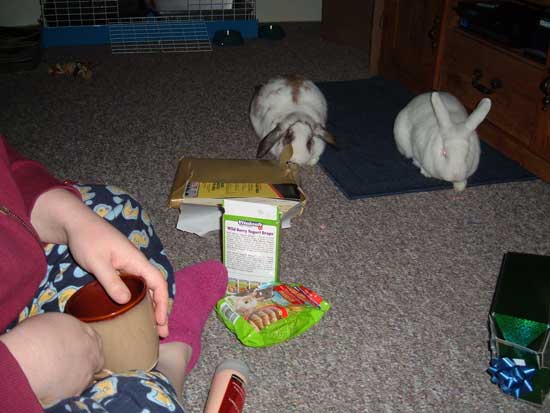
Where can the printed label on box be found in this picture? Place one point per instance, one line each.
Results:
(250, 244)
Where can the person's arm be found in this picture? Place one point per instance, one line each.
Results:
(32, 178)
(99, 248)
(24, 350)
(16, 394)
(58, 355)
(62, 218)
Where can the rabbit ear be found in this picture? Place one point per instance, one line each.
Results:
(328, 138)
(441, 113)
(269, 140)
(478, 115)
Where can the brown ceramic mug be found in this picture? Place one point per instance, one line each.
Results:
(128, 331)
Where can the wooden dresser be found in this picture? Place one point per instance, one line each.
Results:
(421, 44)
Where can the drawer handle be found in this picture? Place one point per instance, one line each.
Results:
(545, 89)
(433, 33)
(487, 90)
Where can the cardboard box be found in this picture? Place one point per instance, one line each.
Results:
(519, 319)
(261, 181)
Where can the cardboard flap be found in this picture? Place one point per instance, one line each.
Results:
(230, 171)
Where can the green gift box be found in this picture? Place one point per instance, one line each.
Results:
(519, 319)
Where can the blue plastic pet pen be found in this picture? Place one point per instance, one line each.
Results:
(145, 26)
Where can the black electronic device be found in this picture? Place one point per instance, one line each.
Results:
(540, 38)
(511, 24)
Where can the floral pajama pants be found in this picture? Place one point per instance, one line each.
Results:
(135, 391)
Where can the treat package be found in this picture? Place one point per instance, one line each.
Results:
(271, 313)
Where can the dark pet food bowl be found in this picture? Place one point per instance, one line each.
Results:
(271, 31)
(228, 38)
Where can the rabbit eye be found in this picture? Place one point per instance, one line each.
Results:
(444, 152)
(309, 144)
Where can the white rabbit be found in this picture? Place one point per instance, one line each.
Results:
(435, 130)
(290, 110)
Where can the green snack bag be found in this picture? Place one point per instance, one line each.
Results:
(271, 313)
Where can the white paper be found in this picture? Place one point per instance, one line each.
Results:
(253, 209)
(199, 219)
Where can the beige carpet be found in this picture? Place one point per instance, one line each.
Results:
(410, 277)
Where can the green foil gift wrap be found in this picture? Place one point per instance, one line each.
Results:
(519, 319)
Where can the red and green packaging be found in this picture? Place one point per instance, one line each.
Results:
(271, 313)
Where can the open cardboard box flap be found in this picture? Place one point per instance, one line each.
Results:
(232, 171)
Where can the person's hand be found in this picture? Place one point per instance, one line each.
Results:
(102, 250)
(58, 354)
(99, 248)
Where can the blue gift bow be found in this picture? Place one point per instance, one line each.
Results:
(512, 379)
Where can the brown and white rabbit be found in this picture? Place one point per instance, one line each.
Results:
(290, 110)
(434, 129)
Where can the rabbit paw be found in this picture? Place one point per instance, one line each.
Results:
(459, 186)
(313, 161)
